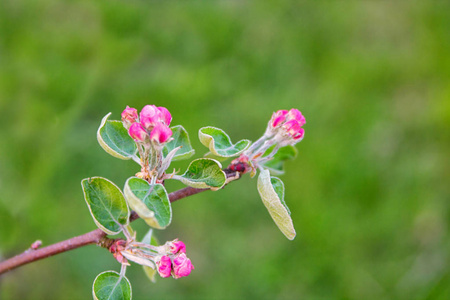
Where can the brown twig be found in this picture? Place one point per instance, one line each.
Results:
(97, 237)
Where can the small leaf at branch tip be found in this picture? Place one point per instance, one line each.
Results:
(219, 143)
(110, 285)
(180, 139)
(276, 164)
(272, 197)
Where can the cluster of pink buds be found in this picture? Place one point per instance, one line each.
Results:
(284, 128)
(150, 130)
(153, 123)
(179, 266)
(175, 263)
(169, 259)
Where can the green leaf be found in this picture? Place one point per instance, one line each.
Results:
(278, 187)
(110, 285)
(106, 204)
(180, 138)
(150, 273)
(150, 202)
(219, 142)
(276, 164)
(271, 191)
(204, 173)
(115, 140)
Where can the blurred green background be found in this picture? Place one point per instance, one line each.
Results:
(369, 191)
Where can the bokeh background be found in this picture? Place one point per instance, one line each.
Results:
(369, 191)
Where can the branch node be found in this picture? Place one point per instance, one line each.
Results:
(105, 242)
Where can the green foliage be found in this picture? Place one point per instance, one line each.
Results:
(180, 138)
(110, 285)
(106, 204)
(204, 173)
(115, 140)
(368, 191)
(150, 202)
(219, 143)
(276, 164)
(271, 191)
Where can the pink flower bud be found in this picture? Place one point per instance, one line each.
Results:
(164, 266)
(149, 116)
(165, 115)
(299, 134)
(177, 247)
(129, 115)
(160, 133)
(295, 114)
(182, 266)
(278, 117)
(294, 129)
(137, 132)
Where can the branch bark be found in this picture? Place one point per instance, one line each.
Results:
(97, 237)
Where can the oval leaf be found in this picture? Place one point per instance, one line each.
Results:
(271, 191)
(219, 142)
(115, 140)
(180, 138)
(110, 286)
(276, 164)
(106, 204)
(150, 202)
(204, 173)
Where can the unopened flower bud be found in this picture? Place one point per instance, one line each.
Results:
(182, 266)
(278, 117)
(299, 135)
(177, 247)
(165, 115)
(292, 127)
(295, 114)
(160, 133)
(149, 116)
(137, 132)
(291, 133)
(164, 266)
(129, 116)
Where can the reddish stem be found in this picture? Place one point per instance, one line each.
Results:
(97, 237)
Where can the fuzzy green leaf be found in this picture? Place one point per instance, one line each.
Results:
(276, 164)
(115, 140)
(110, 286)
(271, 191)
(180, 138)
(219, 143)
(150, 202)
(106, 204)
(204, 173)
